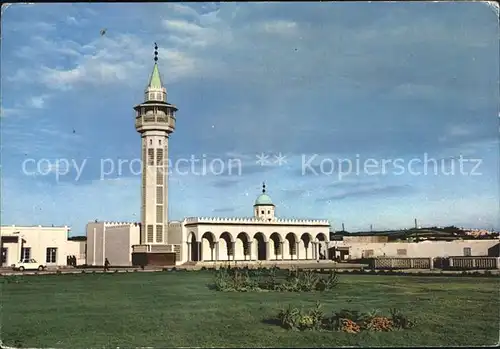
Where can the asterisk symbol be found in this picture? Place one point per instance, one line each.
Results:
(280, 159)
(262, 159)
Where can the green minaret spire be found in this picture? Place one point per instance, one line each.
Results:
(155, 80)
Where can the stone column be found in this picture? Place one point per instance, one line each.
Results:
(233, 244)
(250, 245)
(282, 243)
(189, 252)
(217, 251)
(297, 255)
(268, 252)
(198, 245)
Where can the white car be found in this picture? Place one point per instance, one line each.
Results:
(29, 264)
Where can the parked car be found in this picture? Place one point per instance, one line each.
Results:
(28, 264)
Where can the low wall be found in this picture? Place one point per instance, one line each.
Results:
(401, 263)
(157, 259)
(474, 262)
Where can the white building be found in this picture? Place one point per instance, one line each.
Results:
(47, 245)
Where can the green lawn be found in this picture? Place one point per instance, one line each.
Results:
(171, 309)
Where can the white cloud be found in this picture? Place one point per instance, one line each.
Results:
(280, 27)
(38, 102)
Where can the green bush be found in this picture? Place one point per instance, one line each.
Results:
(244, 279)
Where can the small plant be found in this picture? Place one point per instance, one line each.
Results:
(380, 324)
(290, 318)
(349, 326)
(400, 320)
(317, 316)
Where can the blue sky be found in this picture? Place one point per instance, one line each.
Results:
(316, 82)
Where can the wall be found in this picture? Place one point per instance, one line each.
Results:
(420, 249)
(174, 232)
(112, 240)
(77, 249)
(364, 239)
(39, 238)
(94, 243)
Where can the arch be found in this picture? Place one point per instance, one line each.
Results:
(276, 241)
(320, 237)
(305, 246)
(208, 246)
(241, 246)
(193, 247)
(321, 246)
(290, 246)
(260, 246)
(226, 246)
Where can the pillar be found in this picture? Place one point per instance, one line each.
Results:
(233, 244)
(93, 243)
(250, 246)
(217, 251)
(198, 245)
(189, 252)
(268, 252)
(297, 246)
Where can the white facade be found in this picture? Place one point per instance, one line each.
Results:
(432, 249)
(111, 240)
(47, 245)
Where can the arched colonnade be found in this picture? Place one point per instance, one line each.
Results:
(256, 247)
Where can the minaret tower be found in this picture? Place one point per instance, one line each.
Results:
(155, 121)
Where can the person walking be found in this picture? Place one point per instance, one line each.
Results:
(106, 265)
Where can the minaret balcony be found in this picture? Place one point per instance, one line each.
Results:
(155, 122)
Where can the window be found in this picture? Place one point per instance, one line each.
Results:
(159, 142)
(26, 253)
(150, 233)
(262, 212)
(159, 157)
(159, 233)
(367, 253)
(151, 156)
(158, 96)
(4, 254)
(467, 252)
(159, 176)
(50, 256)
(268, 212)
(159, 214)
(401, 252)
(159, 195)
(150, 142)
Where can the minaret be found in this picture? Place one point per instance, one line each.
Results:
(155, 121)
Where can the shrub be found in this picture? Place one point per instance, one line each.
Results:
(400, 320)
(244, 279)
(379, 324)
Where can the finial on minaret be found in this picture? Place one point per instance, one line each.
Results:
(156, 53)
(263, 187)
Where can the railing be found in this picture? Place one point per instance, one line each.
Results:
(474, 262)
(401, 263)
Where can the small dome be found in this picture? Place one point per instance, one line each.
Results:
(263, 199)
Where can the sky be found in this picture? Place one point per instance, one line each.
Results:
(367, 114)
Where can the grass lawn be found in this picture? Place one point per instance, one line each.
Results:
(171, 309)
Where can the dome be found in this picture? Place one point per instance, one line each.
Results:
(263, 199)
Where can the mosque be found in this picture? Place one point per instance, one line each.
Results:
(158, 241)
